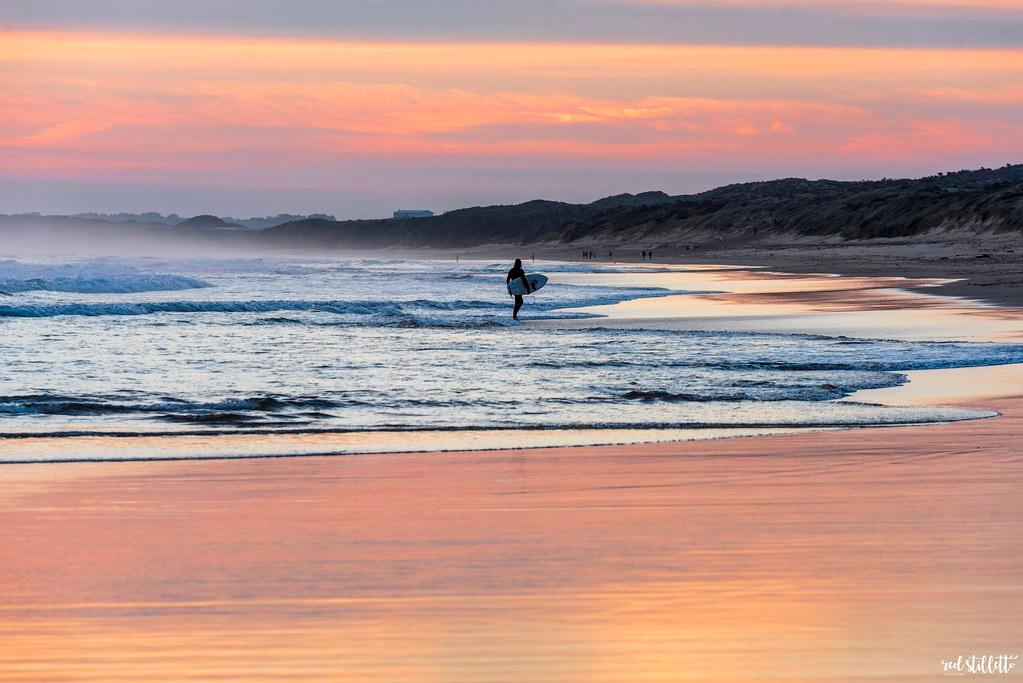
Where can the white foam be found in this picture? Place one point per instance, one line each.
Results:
(90, 277)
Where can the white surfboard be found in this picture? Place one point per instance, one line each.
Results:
(536, 281)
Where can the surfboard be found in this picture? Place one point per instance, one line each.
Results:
(536, 281)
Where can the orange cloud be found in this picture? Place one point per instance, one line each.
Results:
(1006, 95)
(56, 135)
(74, 104)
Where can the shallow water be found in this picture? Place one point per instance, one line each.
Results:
(206, 347)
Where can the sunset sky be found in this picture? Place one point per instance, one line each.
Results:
(359, 108)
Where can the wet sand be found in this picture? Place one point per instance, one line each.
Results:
(737, 299)
(866, 554)
(979, 267)
(850, 555)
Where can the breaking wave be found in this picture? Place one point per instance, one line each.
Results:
(88, 278)
(342, 307)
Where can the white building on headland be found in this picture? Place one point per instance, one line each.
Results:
(412, 213)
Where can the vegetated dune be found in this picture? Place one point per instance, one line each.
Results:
(984, 201)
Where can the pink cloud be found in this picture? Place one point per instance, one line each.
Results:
(123, 110)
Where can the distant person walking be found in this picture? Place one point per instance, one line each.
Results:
(516, 272)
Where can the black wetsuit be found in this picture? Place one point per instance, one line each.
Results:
(513, 274)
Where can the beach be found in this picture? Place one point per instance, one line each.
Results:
(824, 554)
(869, 554)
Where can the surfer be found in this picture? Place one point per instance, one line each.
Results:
(517, 272)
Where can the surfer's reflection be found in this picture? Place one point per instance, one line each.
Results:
(516, 272)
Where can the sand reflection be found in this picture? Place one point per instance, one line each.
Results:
(815, 557)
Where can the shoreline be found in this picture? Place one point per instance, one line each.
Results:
(824, 556)
(978, 387)
(987, 271)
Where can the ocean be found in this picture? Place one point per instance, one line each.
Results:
(204, 347)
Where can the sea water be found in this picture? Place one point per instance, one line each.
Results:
(247, 346)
